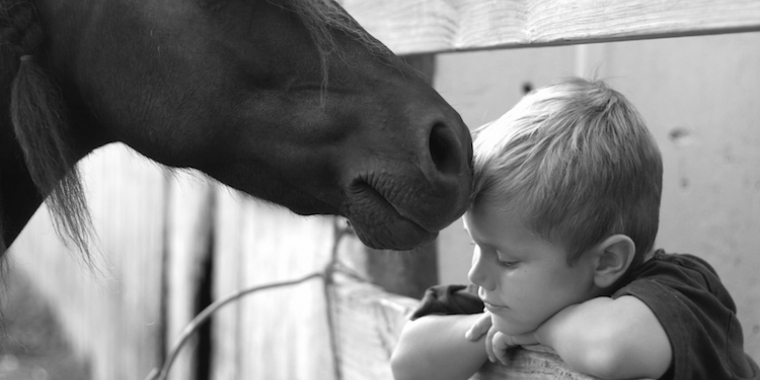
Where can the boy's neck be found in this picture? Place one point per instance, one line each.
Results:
(648, 256)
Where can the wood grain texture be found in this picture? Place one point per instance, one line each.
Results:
(112, 313)
(188, 237)
(369, 323)
(530, 365)
(425, 26)
(278, 333)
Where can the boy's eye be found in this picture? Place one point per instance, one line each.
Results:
(506, 263)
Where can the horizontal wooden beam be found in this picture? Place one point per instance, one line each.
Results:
(368, 323)
(430, 26)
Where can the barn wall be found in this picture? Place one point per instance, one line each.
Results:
(156, 232)
(434, 26)
(189, 239)
(280, 333)
(699, 96)
(111, 311)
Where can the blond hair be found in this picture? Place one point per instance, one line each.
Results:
(578, 162)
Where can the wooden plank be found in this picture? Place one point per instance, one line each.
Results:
(529, 365)
(112, 313)
(407, 273)
(426, 26)
(279, 333)
(188, 250)
(369, 322)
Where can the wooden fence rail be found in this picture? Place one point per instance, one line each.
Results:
(433, 26)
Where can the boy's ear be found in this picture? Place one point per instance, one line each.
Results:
(614, 256)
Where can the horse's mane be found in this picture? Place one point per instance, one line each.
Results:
(322, 17)
(40, 123)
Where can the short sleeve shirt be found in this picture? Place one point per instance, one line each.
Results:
(686, 295)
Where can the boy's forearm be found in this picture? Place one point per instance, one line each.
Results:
(434, 347)
(610, 339)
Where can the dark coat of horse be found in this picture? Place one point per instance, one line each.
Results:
(290, 101)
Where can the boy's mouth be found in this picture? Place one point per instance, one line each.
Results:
(490, 305)
(494, 307)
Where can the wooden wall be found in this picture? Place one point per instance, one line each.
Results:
(433, 26)
(112, 310)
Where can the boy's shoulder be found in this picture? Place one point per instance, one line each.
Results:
(680, 272)
(683, 260)
(698, 315)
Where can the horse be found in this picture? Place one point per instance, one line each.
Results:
(290, 101)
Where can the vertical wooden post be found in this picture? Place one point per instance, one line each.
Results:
(188, 246)
(407, 273)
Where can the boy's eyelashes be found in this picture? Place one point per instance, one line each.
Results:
(506, 263)
(501, 262)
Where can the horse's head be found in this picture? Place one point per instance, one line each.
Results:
(287, 100)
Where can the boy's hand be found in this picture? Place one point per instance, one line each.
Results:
(500, 343)
(480, 327)
(497, 343)
(483, 325)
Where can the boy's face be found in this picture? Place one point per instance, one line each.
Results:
(523, 279)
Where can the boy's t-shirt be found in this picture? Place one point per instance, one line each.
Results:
(685, 294)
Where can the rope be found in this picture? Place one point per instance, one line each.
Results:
(208, 311)
(326, 275)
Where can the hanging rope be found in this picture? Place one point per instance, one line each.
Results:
(326, 274)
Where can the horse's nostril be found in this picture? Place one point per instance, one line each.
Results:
(444, 149)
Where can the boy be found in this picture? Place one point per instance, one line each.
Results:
(564, 216)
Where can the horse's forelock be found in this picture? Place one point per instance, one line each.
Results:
(322, 17)
(39, 121)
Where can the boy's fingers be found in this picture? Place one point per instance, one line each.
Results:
(479, 328)
(500, 346)
(473, 333)
(489, 350)
(501, 343)
(489, 344)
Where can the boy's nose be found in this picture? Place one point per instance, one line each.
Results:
(478, 273)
